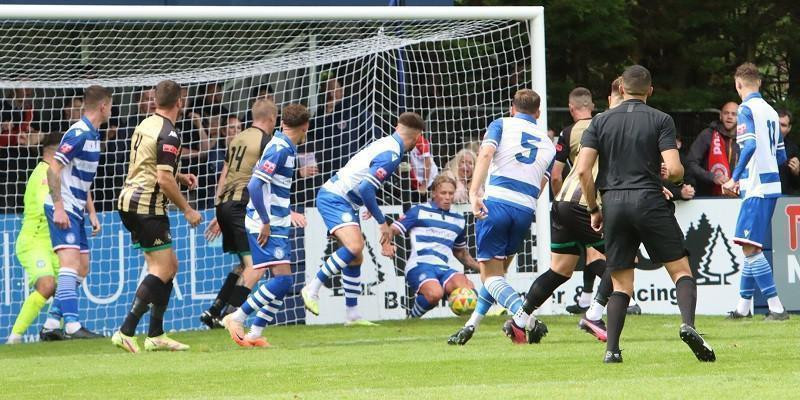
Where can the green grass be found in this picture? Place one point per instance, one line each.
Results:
(410, 360)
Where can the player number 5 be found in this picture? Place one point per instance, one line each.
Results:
(528, 141)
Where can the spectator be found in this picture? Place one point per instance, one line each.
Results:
(210, 104)
(19, 122)
(790, 172)
(423, 168)
(714, 153)
(339, 128)
(461, 167)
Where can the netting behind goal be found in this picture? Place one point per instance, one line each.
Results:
(356, 77)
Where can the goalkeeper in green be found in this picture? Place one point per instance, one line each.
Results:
(33, 248)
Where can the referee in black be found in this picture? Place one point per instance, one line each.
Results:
(632, 141)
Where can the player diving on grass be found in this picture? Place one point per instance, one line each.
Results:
(436, 235)
(33, 248)
(152, 179)
(232, 197)
(338, 201)
(268, 224)
(70, 180)
(516, 156)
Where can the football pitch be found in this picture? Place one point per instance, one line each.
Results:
(411, 360)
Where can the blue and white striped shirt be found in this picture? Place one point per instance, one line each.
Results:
(524, 155)
(275, 169)
(374, 164)
(79, 153)
(434, 234)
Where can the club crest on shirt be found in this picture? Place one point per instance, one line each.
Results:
(559, 147)
(381, 173)
(741, 128)
(65, 148)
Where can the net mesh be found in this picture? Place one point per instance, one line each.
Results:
(356, 77)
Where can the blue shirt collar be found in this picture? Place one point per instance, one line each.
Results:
(88, 123)
(526, 117)
(752, 96)
(399, 140)
(283, 136)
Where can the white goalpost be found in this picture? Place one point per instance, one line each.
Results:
(356, 68)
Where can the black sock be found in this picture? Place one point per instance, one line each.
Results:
(604, 289)
(239, 295)
(147, 293)
(617, 309)
(687, 298)
(597, 267)
(224, 294)
(158, 309)
(541, 289)
(588, 280)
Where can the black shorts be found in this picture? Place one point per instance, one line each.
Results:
(148, 232)
(230, 216)
(571, 229)
(634, 217)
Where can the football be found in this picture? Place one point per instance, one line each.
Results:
(462, 301)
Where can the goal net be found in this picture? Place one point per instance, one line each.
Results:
(356, 73)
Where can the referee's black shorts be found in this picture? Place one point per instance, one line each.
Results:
(571, 229)
(230, 216)
(633, 217)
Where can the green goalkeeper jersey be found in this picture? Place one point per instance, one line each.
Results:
(34, 222)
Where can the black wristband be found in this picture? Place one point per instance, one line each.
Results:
(593, 210)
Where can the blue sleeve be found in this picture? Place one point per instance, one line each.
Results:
(781, 151)
(493, 133)
(407, 220)
(367, 191)
(748, 148)
(272, 159)
(71, 145)
(254, 189)
(746, 137)
(382, 167)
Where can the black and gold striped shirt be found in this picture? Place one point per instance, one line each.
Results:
(570, 146)
(241, 157)
(154, 146)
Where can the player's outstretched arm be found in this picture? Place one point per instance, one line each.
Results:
(54, 183)
(463, 256)
(168, 184)
(260, 198)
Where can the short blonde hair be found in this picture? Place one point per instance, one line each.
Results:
(442, 179)
(264, 108)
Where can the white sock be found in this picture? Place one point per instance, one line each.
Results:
(474, 320)
(314, 286)
(744, 306)
(352, 314)
(521, 318)
(13, 337)
(239, 315)
(72, 327)
(585, 299)
(255, 332)
(52, 323)
(595, 311)
(775, 305)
